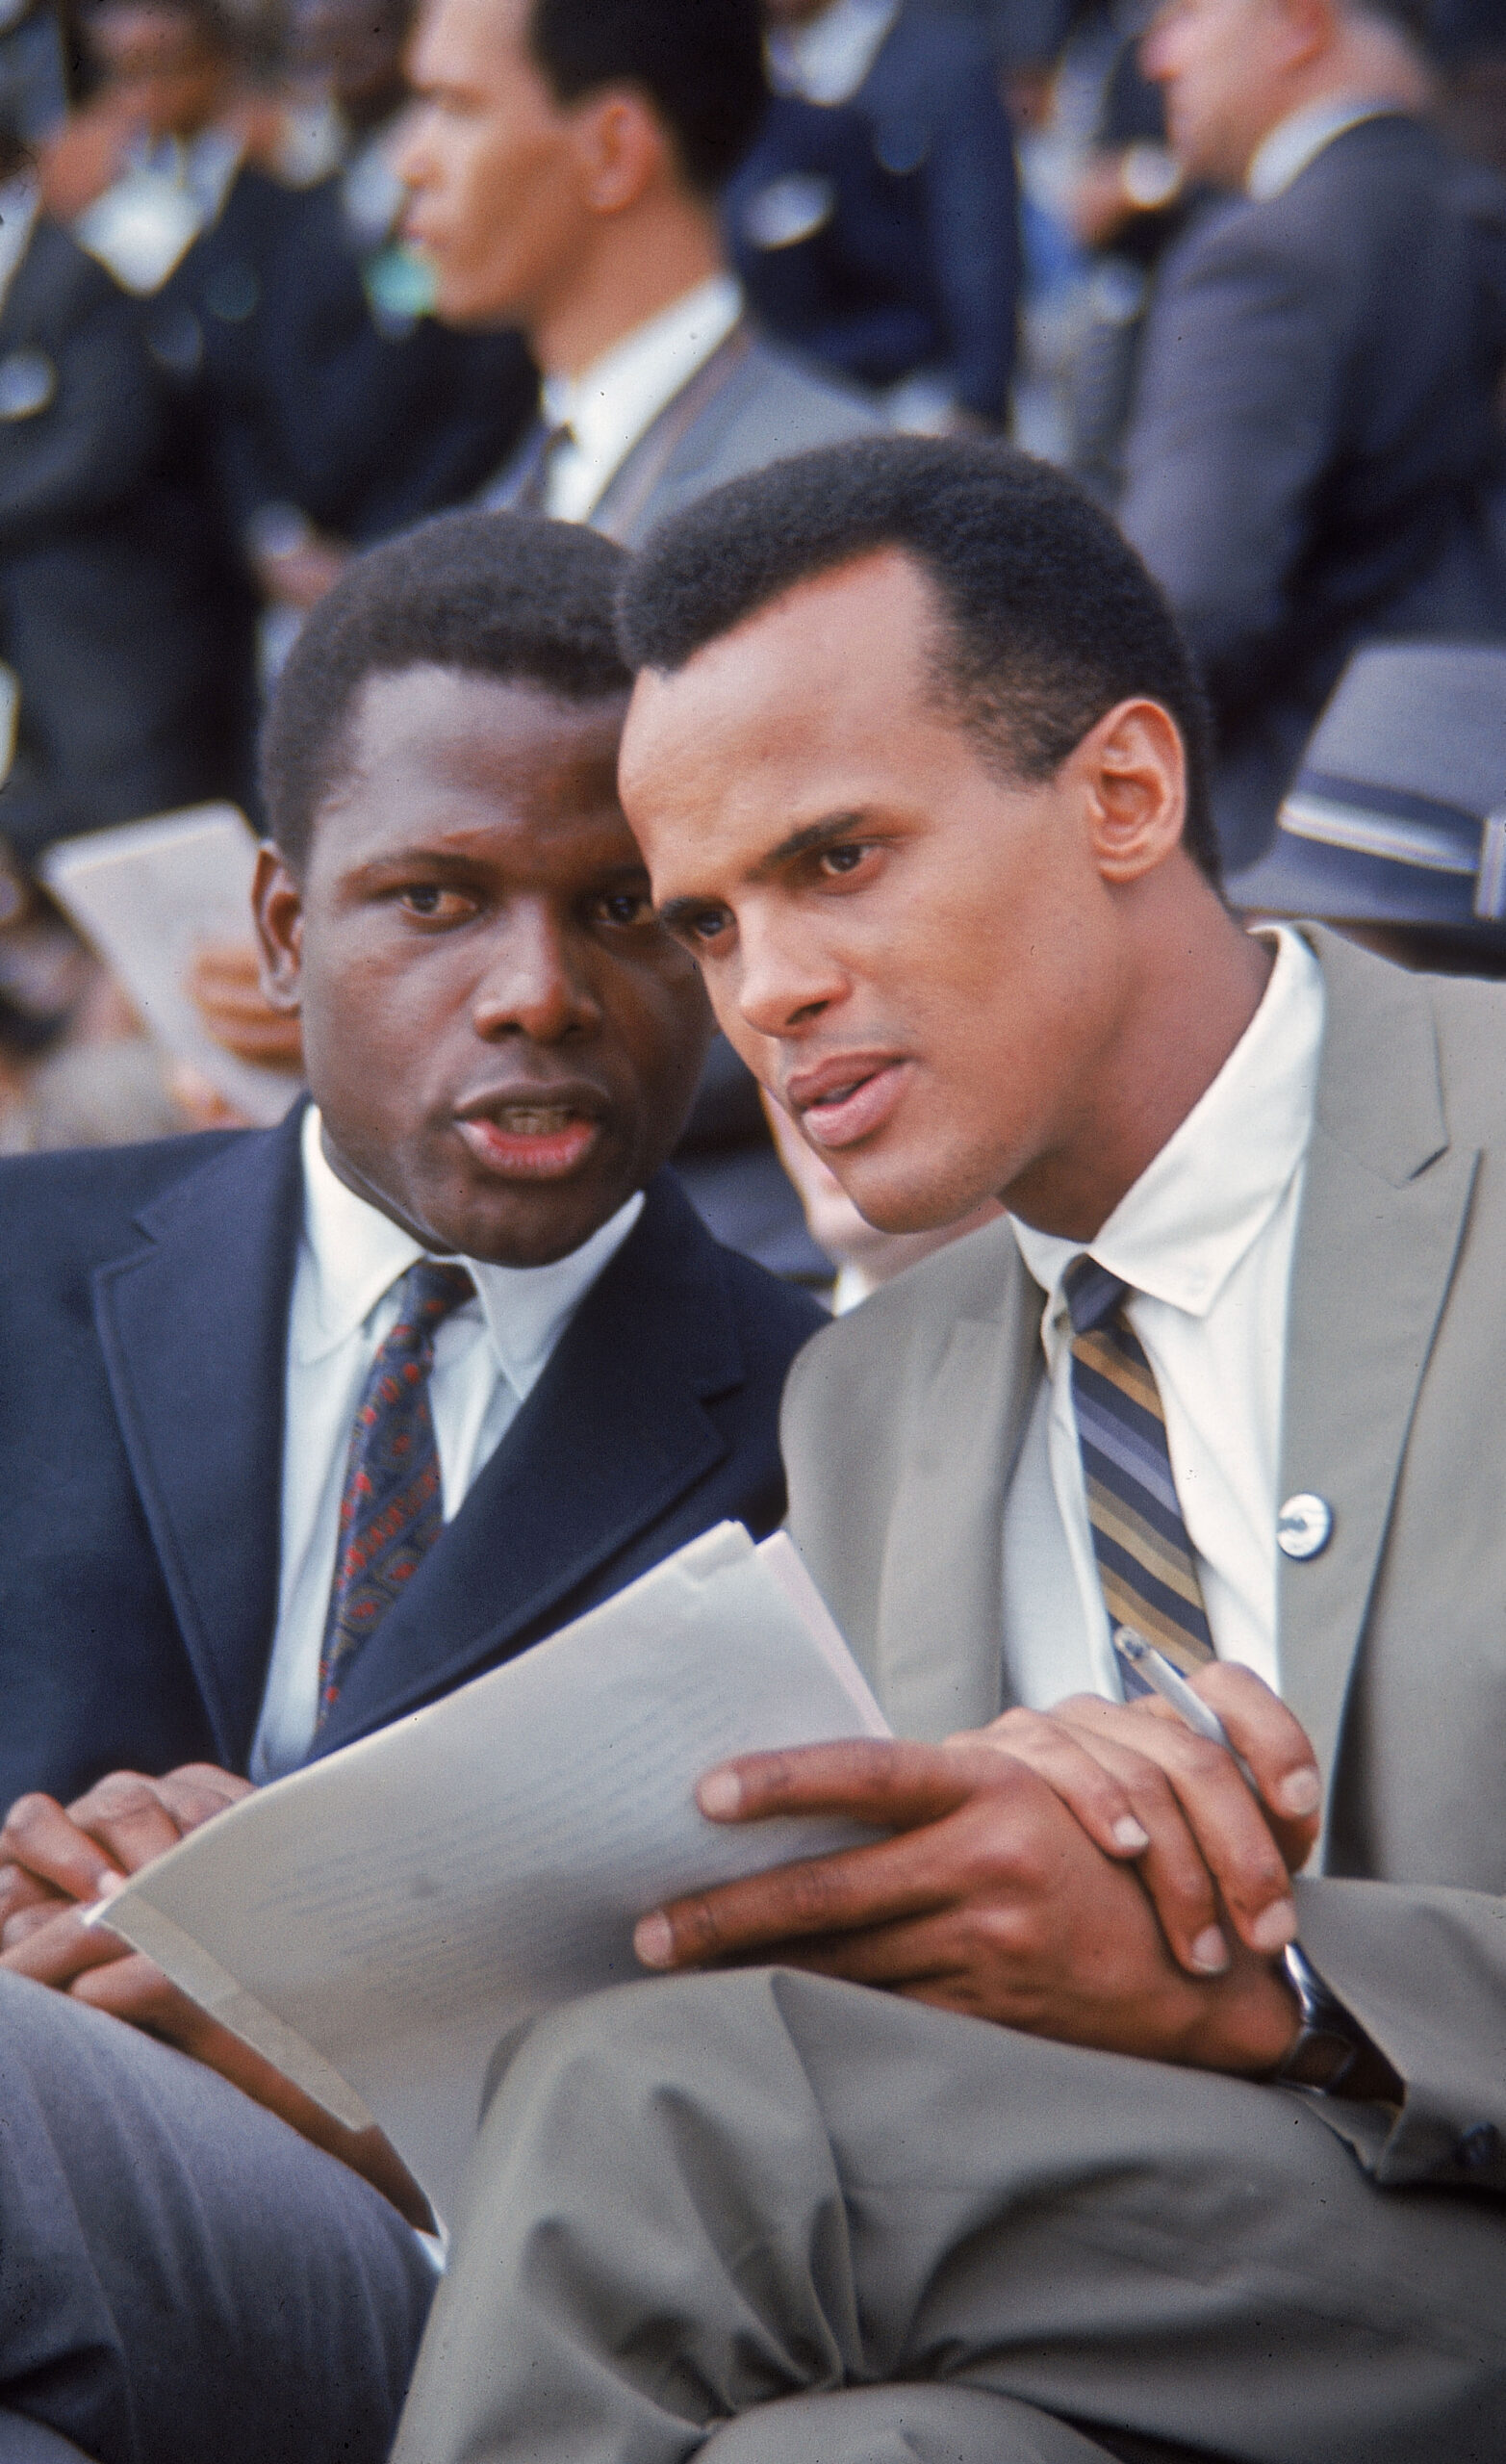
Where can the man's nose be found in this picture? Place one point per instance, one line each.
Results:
(784, 982)
(535, 983)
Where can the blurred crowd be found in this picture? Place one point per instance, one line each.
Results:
(1254, 297)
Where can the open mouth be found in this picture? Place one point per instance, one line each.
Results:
(531, 1140)
(854, 1107)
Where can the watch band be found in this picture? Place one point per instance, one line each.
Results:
(1329, 2042)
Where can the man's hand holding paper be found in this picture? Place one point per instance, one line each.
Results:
(52, 1859)
(1096, 1874)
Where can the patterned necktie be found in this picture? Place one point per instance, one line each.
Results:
(1145, 1561)
(391, 1509)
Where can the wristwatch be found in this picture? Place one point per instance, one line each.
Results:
(1330, 2041)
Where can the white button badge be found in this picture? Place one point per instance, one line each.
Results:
(1303, 1526)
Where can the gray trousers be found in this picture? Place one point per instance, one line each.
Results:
(767, 2219)
(181, 2276)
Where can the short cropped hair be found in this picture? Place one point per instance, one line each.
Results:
(502, 594)
(699, 62)
(1050, 618)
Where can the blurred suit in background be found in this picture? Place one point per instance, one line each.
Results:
(373, 415)
(874, 221)
(118, 611)
(1314, 451)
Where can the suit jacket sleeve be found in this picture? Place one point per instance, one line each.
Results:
(1232, 427)
(1424, 1972)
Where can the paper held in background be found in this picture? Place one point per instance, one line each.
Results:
(375, 1922)
(149, 896)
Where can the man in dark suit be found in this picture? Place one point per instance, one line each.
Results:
(1314, 447)
(149, 1290)
(213, 1341)
(110, 589)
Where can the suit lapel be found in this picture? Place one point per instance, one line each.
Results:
(193, 1328)
(940, 1611)
(676, 440)
(613, 1433)
(1382, 1209)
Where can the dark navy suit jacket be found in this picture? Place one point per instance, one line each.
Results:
(907, 256)
(144, 1308)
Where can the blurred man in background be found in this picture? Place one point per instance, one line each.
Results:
(565, 162)
(122, 627)
(1315, 454)
(874, 222)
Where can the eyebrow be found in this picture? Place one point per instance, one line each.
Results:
(471, 860)
(815, 835)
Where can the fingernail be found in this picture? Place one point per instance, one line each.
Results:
(1210, 1952)
(1275, 1926)
(107, 1885)
(1300, 1791)
(653, 1940)
(720, 1793)
(1130, 1834)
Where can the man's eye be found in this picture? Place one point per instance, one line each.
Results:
(842, 860)
(708, 925)
(624, 907)
(436, 903)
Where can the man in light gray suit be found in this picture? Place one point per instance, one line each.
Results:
(565, 162)
(1060, 2122)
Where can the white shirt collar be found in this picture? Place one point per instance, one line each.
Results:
(610, 404)
(828, 59)
(1286, 150)
(18, 203)
(357, 1254)
(1203, 1202)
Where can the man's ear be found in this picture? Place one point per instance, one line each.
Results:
(1133, 773)
(1309, 29)
(277, 906)
(623, 149)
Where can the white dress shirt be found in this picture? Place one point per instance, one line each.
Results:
(148, 219)
(488, 1357)
(613, 402)
(1285, 152)
(1205, 1237)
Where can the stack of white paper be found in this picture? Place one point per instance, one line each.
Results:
(375, 1923)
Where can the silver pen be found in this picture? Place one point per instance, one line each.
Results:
(1157, 1672)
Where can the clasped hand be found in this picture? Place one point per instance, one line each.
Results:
(1096, 1874)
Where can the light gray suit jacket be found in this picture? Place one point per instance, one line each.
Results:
(902, 1423)
(750, 404)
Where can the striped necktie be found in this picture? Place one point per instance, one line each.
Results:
(1145, 1561)
(390, 1511)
